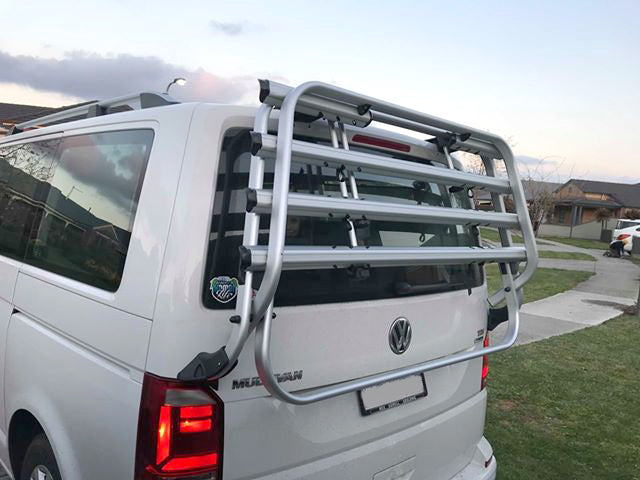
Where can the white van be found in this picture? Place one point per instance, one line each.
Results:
(176, 304)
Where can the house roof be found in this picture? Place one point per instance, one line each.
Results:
(626, 194)
(533, 187)
(586, 202)
(13, 113)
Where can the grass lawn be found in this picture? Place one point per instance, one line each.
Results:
(566, 255)
(545, 282)
(568, 407)
(580, 242)
(493, 235)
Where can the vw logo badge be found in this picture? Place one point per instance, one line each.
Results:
(400, 335)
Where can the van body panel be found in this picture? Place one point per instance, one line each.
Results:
(335, 442)
(8, 275)
(179, 310)
(5, 314)
(87, 405)
(332, 343)
(107, 331)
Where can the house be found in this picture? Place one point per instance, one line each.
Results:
(577, 201)
(532, 190)
(13, 113)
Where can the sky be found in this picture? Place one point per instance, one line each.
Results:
(559, 79)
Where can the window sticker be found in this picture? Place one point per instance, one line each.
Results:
(223, 288)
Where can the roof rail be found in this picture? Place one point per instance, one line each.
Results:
(135, 101)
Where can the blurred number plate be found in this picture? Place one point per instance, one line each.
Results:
(392, 394)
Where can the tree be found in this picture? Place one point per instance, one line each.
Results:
(541, 201)
(602, 215)
(632, 214)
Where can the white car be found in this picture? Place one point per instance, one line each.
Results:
(626, 231)
(176, 304)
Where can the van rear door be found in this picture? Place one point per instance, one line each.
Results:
(336, 324)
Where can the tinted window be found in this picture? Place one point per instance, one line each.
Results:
(84, 205)
(335, 285)
(24, 173)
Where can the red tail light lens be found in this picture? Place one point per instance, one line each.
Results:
(485, 364)
(622, 236)
(180, 431)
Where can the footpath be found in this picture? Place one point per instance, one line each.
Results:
(603, 296)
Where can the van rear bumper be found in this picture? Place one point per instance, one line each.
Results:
(439, 448)
(483, 465)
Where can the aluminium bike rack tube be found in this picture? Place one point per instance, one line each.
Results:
(319, 100)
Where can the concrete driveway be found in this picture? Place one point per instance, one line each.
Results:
(602, 297)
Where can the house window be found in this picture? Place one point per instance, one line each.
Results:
(81, 204)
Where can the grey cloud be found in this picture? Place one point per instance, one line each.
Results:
(92, 76)
(228, 28)
(115, 177)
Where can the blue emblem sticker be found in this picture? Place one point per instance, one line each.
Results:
(223, 288)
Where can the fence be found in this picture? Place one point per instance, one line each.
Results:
(590, 230)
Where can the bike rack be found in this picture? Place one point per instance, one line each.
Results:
(339, 107)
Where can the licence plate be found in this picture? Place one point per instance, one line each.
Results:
(392, 394)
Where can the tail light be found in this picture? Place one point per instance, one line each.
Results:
(179, 431)
(485, 364)
(381, 142)
(622, 236)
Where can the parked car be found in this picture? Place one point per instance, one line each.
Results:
(176, 304)
(623, 224)
(623, 235)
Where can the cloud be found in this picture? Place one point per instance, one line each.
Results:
(527, 160)
(229, 28)
(92, 76)
(112, 170)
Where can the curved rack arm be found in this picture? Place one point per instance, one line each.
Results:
(263, 359)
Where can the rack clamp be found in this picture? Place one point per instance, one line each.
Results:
(252, 199)
(340, 175)
(360, 223)
(448, 140)
(244, 256)
(204, 366)
(364, 108)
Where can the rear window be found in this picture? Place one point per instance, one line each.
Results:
(626, 224)
(332, 285)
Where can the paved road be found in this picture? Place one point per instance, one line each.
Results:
(602, 297)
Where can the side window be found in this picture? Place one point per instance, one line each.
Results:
(88, 206)
(24, 174)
